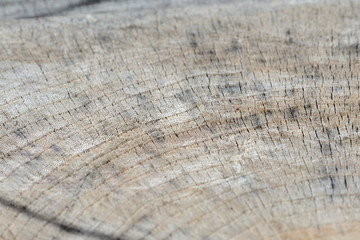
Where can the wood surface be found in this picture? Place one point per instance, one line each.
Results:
(179, 119)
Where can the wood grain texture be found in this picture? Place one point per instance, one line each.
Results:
(179, 119)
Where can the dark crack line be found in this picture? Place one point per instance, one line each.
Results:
(70, 7)
(67, 227)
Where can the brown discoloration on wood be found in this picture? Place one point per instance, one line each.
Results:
(215, 121)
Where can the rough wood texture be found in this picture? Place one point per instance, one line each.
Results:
(179, 119)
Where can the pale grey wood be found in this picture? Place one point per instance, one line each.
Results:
(179, 120)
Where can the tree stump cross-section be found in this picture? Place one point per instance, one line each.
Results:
(179, 119)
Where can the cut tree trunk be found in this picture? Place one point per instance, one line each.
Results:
(179, 119)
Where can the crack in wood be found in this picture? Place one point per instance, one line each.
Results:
(67, 227)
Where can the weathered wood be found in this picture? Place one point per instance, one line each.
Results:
(181, 119)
